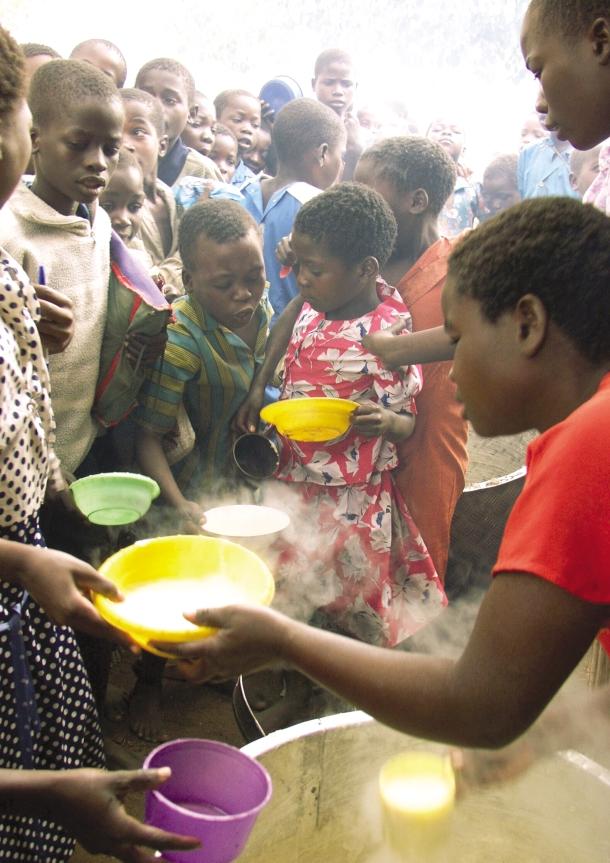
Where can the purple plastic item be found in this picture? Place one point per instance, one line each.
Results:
(215, 793)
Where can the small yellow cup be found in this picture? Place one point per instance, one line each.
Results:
(418, 797)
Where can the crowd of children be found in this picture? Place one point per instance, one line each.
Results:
(292, 254)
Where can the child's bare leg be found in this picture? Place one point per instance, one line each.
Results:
(145, 717)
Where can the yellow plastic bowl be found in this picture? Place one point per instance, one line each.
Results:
(162, 578)
(315, 419)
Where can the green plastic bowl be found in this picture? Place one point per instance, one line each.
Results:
(114, 498)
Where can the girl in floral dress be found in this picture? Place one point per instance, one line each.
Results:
(360, 557)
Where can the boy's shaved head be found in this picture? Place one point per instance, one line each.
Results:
(329, 56)
(517, 253)
(82, 48)
(166, 64)
(59, 84)
(35, 49)
(571, 18)
(411, 163)
(302, 125)
(220, 221)
(227, 96)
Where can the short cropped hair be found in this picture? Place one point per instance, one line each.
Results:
(329, 56)
(351, 221)
(571, 18)
(59, 84)
(302, 125)
(12, 73)
(410, 163)
(517, 253)
(35, 49)
(132, 94)
(166, 64)
(226, 97)
(502, 166)
(111, 47)
(221, 221)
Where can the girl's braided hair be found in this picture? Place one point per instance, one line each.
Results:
(12, 73)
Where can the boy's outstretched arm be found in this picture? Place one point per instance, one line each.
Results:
(528, 637)
(152, 460)
(246, 418)
(396, 348)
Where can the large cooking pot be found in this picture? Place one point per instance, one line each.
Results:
(325, 806)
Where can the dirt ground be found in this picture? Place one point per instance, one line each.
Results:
(203, 711)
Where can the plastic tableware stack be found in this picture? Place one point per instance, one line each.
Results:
(215, 793)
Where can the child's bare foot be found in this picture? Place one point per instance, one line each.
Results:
(145, 717)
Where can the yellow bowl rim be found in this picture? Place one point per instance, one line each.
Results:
(107, 608)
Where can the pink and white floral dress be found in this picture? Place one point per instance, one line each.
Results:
(358, 554)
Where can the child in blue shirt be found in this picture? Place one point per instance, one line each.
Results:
(309, 139)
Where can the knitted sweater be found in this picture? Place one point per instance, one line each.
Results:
(76, 258)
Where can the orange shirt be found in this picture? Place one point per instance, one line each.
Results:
(433, 461)
(559, 527)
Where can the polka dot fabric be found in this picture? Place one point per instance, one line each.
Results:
(67, 733)
(26, 419)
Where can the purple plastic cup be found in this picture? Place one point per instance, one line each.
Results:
(215, 793)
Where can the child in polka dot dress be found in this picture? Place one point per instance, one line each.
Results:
(48, 722)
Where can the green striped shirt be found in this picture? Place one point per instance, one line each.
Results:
(209, 368)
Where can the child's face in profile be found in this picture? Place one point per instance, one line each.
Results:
(224, 154)
(242, 115)
(103, 58)
(335, 87)
(484, 365)
(123, 200)
(256, 158)
(171, 92)
(573, 78)
(76, 153)
(449, 135)
(326, 282)
(199, 130)
(141, 138)
(227, 279)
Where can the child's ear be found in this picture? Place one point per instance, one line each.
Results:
(369, 267)
(419, 202)
(600, 37)
(532, 319)
(321, 154)
(163, 145)
(35, 139)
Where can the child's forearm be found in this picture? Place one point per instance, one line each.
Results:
(13, 560)
(405, 349)
(277, 343)
(26, 792)
(400, 427)
(152, 460)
